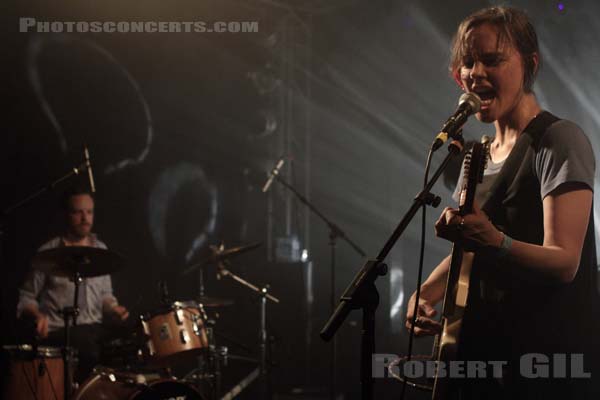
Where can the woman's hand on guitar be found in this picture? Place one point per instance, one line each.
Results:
(475, 228)
(425, 325)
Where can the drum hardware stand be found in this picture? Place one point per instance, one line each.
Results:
(244, 383)
(217, 356)
(265, 362)
(70, 316)
(209, 364)
(213, 358)
(335, 232)
(201, 282)
(163, 288)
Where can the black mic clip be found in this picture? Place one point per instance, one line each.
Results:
(468, 104)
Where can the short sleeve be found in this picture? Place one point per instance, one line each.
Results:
(565, 155)
(100, 244)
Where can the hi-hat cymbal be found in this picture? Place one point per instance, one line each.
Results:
(220, 253)
(69, 260)
(213, 302)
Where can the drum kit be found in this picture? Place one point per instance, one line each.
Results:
(137, 365)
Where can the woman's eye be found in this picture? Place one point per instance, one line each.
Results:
(492, 62)
(468, 63)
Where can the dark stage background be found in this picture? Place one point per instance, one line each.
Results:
(183, 128)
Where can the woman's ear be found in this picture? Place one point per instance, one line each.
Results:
(456, 77)
(535, 59)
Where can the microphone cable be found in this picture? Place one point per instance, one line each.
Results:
(419, 273)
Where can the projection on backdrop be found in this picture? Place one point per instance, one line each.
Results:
(65, 72)
(186, 189)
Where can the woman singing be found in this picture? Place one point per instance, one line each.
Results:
(533, 292)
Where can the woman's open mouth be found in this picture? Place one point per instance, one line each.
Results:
(487, 96)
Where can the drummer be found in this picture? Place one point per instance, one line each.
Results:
(42, 297)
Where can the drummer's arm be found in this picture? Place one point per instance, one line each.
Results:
(110, 305)
(28, 306)
(28, 294)
(118, 312)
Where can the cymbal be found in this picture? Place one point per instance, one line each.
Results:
(212, 302)
(219, 253)
(68, 260)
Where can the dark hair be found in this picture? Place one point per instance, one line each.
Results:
(513, 26)
(74, 191)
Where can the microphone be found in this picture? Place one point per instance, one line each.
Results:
(468, 104)
(88, 166)
(273, 174)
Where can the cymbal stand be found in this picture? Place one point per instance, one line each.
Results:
(217, 357)
(213, 359)
(335, 232)
(265, 361)
(70, 315)
(209, 362)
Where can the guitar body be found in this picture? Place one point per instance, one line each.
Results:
(447, 343)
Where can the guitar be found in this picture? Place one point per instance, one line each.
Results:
(457, 288)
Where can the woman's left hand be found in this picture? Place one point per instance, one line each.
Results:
(476, 229)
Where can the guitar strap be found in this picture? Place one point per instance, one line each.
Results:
(530, 136)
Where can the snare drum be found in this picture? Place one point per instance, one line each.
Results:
(176, 333)
(108, 384)
(29, 373)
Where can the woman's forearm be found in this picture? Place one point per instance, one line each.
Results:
(434, 286)
(552, 262)
(566, 217)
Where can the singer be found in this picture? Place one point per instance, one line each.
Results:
(533, 286)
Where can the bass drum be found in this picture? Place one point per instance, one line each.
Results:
(127, 386)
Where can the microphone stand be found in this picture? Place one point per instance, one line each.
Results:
(8, 211)
(335, 232)
(362, 292)
(75, 171)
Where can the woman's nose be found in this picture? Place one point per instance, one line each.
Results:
(478, 70)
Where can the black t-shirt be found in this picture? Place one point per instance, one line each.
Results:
(512, 312)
